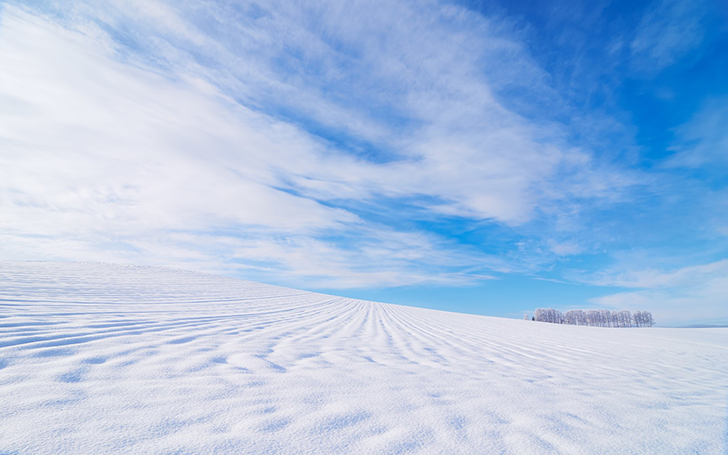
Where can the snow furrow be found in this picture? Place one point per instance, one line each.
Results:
(99, 358)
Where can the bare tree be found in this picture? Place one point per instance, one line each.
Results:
(647, 316)
(594, 318)
(637, 318)
(625, 318)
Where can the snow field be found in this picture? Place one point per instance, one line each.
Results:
(105, 358)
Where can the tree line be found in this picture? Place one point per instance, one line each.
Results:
(594, 318)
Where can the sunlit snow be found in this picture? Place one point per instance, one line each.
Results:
(120, 359)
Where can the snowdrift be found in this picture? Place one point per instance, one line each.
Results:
(119, 359)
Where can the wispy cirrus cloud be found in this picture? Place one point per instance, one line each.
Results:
(419, 119)
(127, 160)
(279, 139)
(689, 294)
(702, 142)
(650, 278)
(669, 30)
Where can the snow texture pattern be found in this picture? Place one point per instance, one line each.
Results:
(121, 359)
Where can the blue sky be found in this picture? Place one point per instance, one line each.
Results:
(471, 156)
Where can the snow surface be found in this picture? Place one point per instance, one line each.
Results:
(106, 358)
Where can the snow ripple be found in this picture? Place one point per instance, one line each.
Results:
(98, 358)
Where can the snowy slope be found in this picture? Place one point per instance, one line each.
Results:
(101, 358)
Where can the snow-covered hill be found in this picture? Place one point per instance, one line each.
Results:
(117, 359)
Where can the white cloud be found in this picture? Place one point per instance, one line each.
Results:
(669, 30)
(654, 279)
(702, 142)
(130, 167)
(146, 136)
(123, 145)
(416, 83)
(679, 297)
(565, 248)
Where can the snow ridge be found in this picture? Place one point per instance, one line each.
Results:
(101, 358)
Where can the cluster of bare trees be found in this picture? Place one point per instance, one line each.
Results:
(595, 318)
